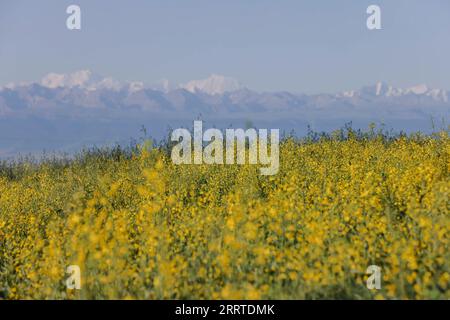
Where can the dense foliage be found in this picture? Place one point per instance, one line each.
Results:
(141, 227)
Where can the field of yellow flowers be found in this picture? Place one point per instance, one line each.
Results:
(140, 227)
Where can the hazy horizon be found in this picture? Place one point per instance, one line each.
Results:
(315, 63)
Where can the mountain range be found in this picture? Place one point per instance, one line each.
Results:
(83, 108)
(82, 90)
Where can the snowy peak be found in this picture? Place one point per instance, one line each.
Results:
(378, 89)
(135, 86)
(423, 89)
(87, 80)
(419, 89)
(381, 89)
(84, 79)
(56, 80)
(216, 92)
(215, 84)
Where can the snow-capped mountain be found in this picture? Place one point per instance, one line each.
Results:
(215, 84)
(84, 89)
(81, 108)
(85, 83)
(84, 79)
(382, 89)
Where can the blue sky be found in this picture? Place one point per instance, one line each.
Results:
(298, 46)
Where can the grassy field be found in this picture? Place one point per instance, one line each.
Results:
(140, 227)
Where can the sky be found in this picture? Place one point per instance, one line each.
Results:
(268, 45)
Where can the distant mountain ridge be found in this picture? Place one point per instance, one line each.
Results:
(83, 90)
(65, 112)
(381, 89)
